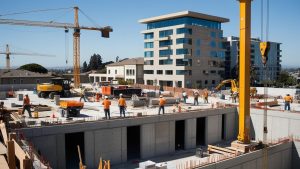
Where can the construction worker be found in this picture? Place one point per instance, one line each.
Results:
(196, 95)
(26, 105)
(122, 105)
(106, 104)
(287, 101)
(162, 102)
(184, 95)
(205, 96)
(82, 94)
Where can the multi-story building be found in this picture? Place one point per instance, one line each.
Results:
(257, 69)
(183, 49)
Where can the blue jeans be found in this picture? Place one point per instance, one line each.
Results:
(287, 106)
(161, 108)
(122, 110)
(196, 101)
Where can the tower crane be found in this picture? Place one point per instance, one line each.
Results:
(105, 31)
(8, 53)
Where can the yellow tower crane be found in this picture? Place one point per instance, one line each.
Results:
(76, 36)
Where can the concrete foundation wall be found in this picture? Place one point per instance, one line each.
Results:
(108, 139)
(279, 157)
(280, 124)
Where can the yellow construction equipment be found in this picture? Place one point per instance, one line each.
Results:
(76, 36)
(58, 86)
(234, 87)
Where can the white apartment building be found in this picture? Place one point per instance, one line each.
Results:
(130, 70)
(184, 49)
(257, 68)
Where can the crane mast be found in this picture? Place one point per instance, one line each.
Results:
(76, 50)
(244, 72)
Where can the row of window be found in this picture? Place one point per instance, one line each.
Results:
(183, 51)
(166, 33)
(130, 72)
(179, 62)
(169, 72)
(189, 41)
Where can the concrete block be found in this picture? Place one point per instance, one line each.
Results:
(275, 161)
(230, 128)
(61, 151)
(249, 165)
(138, 103)
(287, 158)
(161, 138)
(214, 129)
(89, 148)
(2, 95)
(190, 134)
(171, 136)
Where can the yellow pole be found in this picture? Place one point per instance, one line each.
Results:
(244, 71)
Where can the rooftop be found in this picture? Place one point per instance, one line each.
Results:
(184, 14)
(5, 73)
(131, 61)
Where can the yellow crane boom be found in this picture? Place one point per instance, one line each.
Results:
(76, 36)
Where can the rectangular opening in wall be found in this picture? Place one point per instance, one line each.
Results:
(133, 142)
(223, 126)
(200, 131)
(71, 142)
(179, 134)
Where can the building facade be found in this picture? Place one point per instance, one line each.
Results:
(130, 70)
(184, 49)
(258, 75)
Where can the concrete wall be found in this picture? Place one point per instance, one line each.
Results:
(280, 124)
(108, 139)
(279, 157)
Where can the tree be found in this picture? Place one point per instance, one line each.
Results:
(95, 62)
(33, 67)
(85, 67)
(285, 79)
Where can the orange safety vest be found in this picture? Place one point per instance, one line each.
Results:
(205, 94)
(162, 102)
(288, 99)
(106, 104)
(122, 102)
(26, 101)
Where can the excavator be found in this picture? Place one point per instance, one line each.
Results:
(234, 88)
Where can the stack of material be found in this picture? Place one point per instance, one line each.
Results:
(169, 101)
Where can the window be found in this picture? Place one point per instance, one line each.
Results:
(221, 35)
(205, 82)
(165, 43)
(184, 62)
(37, 80)
(186, 21)
(169, 72)
(182, 51)
(164, 53)
(213, 44)
(148, 36)
(108, 71)
(127, 72)
(198, 42)
(184, 41)
(183, 72)
(133, 72)
(213, 82)
(213, 34)
(21, 81)
(166, 62)
(165, 33)
(159, 72)
(148, 71)
(148, 45)
(116, 72)
(179, 84)
(184, 31)
(213, 71)
(149, 82)
(221, 45)
(148, 53)
(197, 52)
(213, 54)
(148, 62)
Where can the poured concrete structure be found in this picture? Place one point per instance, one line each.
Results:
(108, 139)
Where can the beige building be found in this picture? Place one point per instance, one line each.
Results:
(130, 70)
(183, 49)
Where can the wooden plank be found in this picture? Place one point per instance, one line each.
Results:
(222, 149)
(3, 149)
(11, 154)
(20, 154)
(4, 132)
(3, 162)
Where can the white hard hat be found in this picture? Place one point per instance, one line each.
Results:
(121, 94)
(161, 96)
(106, 97)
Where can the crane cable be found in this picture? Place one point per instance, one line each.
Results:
(34, 11)
(265, 115)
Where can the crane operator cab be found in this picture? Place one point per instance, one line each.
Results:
(58, 86)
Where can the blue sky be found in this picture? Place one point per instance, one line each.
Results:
(123, 16)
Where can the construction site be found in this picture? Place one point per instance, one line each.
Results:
(64, 123)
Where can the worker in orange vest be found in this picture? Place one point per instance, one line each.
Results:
(287, 101)
(122, 105)
(162, 102)
(205, 95)
(106, 104)
(26, 105)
